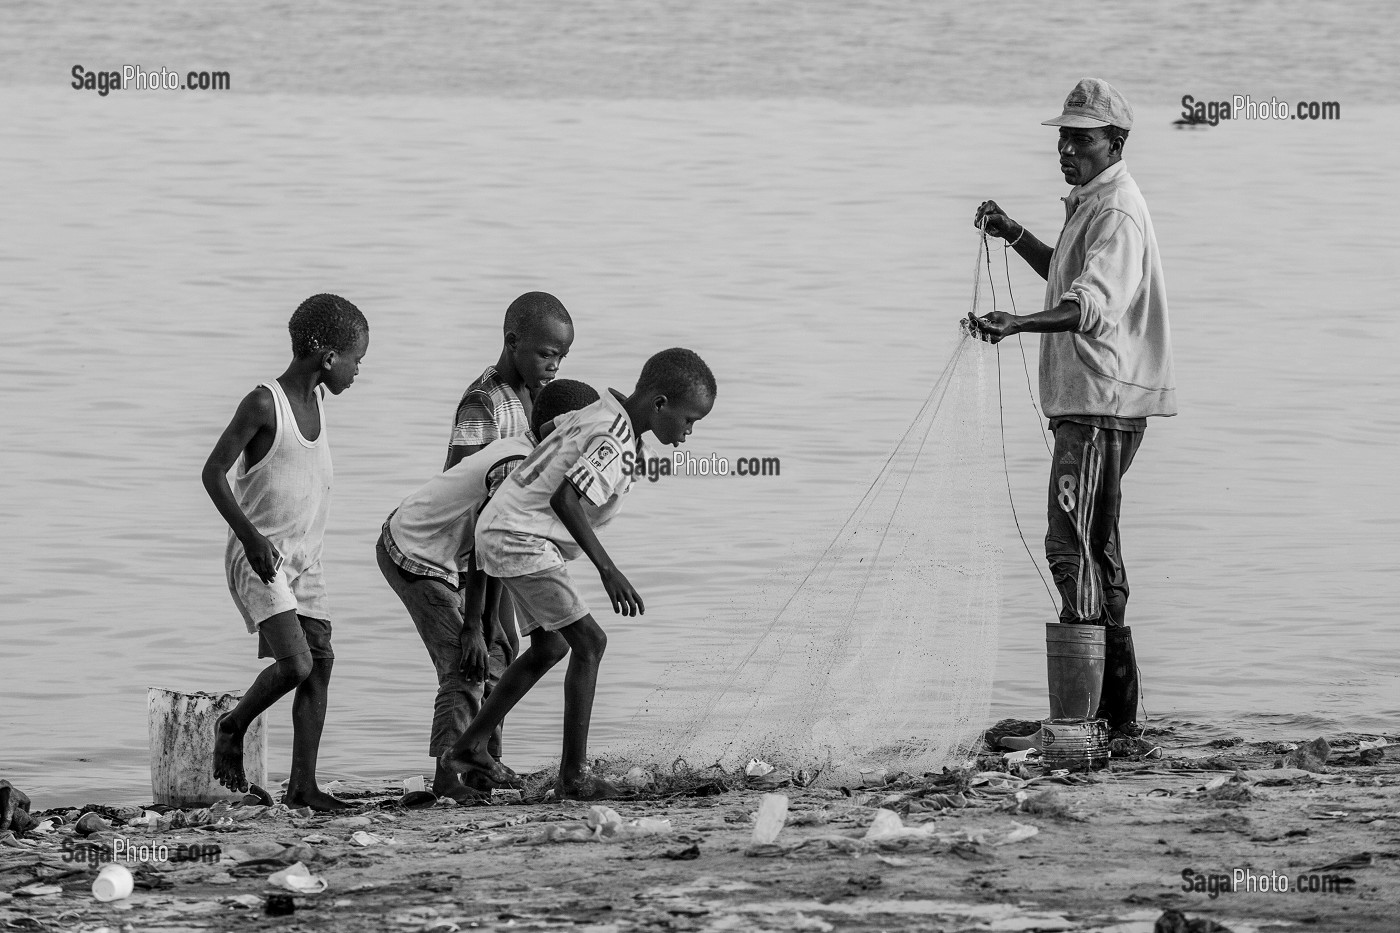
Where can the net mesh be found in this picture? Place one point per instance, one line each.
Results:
(880, 652)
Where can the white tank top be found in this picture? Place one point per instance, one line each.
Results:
(287, 494)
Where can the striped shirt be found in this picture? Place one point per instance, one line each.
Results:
(489, 410)
(596, 451)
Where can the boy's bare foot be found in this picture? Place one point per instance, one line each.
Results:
(475, 790)
(481, 783)
(586, 787)
(315, 798)
(228, 755)
(476, 761)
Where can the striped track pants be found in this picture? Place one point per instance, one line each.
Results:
(1081, 543)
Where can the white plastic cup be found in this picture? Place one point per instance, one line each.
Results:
(772, 814)
(112, 883)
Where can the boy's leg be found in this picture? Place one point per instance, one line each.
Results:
(281, 638)
(503, 643)
(470, 753)
(558, 621)
(436, 610)
(587, 642)
(309, 718)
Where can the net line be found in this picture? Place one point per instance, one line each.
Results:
(877, 652)
(985, 250)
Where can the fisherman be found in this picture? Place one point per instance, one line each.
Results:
(1105, 367)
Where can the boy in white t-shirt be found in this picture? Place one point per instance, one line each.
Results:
(544, 515)
(424, 552)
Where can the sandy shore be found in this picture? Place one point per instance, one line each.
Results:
(969, 851)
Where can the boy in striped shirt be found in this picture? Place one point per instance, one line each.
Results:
(538, 333)
(544, 515)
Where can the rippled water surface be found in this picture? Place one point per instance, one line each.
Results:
(811, 240)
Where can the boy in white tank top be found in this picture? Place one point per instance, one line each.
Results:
(276, 509)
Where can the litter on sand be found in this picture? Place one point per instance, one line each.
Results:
(769, 820)
(363, 838)
(1310, 757)
(601, 824)
(298, 879)
(888, 827)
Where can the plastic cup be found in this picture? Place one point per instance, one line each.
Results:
(772, 814)
(112, 883)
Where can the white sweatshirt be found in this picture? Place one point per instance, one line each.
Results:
(1119, 361)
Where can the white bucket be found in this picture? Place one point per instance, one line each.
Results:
(182, 747)
(1075, 744)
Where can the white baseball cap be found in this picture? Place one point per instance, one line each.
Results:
(1094, 102)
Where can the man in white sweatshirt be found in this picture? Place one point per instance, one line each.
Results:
(1105, 366)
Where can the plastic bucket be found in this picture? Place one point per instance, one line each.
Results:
(1074, 661)
(1074, 744)
(182, 747)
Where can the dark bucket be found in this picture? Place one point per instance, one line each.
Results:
(1074, 659)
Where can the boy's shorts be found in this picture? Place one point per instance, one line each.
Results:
(304, 593)
(545, 599)
(313, 635)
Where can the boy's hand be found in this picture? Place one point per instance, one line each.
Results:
(625, 600)
(262, 557)
(476, 659)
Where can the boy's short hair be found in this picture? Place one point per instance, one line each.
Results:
(677, 373)
(325, 322)
(558, 397)
(532, 309)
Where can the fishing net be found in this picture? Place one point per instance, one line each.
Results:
(879, 653)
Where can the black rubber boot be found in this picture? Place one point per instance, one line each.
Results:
(1119, 701)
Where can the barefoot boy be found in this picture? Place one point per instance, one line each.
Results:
(544, 515)
(424, 552)
(276, 512)
(538, 334)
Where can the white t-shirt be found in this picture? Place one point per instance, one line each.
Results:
(432, 531)
(518, 531)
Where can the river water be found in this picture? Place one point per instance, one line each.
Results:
(786, 189)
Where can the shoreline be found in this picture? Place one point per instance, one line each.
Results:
(972, 851)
